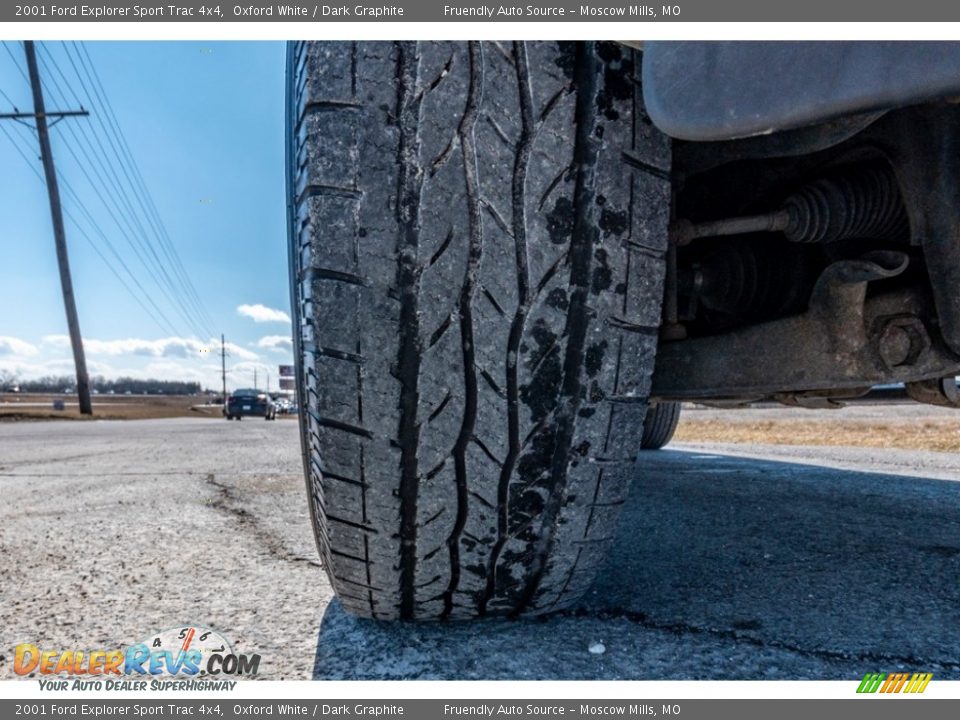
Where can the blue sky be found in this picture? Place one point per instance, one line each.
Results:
(204, 124)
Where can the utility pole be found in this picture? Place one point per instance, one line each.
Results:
(223, 367)
(254, 378)
(40, 116)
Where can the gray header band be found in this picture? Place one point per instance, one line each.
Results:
(554, 11)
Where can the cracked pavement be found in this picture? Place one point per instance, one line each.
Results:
(114, 530)
(731, 562)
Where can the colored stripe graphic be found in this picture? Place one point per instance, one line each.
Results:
(919, 682)
(870, 682)
(894, 683)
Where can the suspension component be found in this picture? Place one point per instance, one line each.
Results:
(864, 203)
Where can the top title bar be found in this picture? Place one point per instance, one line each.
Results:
(559, 11)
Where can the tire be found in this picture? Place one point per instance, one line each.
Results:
(477, 244)
(659, 425)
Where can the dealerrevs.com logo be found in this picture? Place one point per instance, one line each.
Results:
(172, 659)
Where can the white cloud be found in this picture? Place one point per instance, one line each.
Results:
(172, 358)
(276, 343)
(16, 346)
(171, 347)
(237, 351)
(261, 313)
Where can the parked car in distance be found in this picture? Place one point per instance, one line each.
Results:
(247, 401)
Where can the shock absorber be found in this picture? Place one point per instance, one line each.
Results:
(862, 203)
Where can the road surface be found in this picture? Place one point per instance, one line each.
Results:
(732, 562)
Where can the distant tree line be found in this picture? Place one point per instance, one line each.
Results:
(119, 386)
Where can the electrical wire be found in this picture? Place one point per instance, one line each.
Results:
(128, 166)
(144, 191)
(112, 186)
(138, 298)
(7, 98)
(16, 64)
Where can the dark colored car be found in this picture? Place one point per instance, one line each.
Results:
(250, 402)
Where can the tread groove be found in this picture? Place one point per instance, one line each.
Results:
(486, 451)
(582, 240)
(440, 408)
(440, 331)
(551, 104)
(518, 192)
(437, 80)
(344, 427)
(635, 162)
(497, 217)
(318, 273)
(442, 249)
(553, 185)
(498, 131)
(493, 301)
(492, 383)
(474, 254)
(351, 523)
(622, 324)
(340, 355)
(409, 187)
(319, 189)
(341, 478)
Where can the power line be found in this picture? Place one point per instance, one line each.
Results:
(137, 297)
(120, 199)
(109, 179)
(127, 233)
(96, 165)
(144, 191)
(134, 225)
(23, 73)
(7, 98)
(113, 134)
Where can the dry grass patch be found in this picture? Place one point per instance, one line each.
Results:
(943, 436)
(134, 407)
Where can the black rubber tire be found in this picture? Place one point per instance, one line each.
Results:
(659, 425)
(477, 244)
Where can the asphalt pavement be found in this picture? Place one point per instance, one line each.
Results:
(730, 562)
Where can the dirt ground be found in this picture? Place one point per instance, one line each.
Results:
(39, 406)
(903, 425)
(909, 426)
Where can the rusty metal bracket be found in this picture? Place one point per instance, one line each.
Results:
(846, 342)
(923, 146)
(939, 391)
